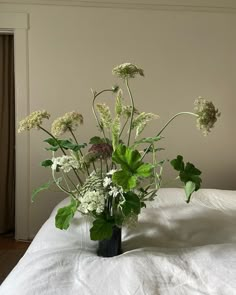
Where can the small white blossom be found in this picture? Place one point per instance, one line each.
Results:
(106, 181)
(111, 172)
(114, 191)
(66, 163)
(92, 201)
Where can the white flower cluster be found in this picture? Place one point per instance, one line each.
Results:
(92, 201)
(70, 121)
(108, 184)
(34, 120)
(66, 163)
(127, 70)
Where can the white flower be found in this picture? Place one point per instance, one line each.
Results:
(92, 201)
(66, 163)
(115, 191)
(111, 172)
(34, 120)
(127, 70)
(69, 122)
(55, 162)
(106, 181)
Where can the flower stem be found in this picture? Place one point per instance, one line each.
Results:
(123, 127)
(132, 111)
(73, 135)
(164, 127)
(50, 134)
(95, 95)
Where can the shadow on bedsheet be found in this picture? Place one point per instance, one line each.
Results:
(199, 230)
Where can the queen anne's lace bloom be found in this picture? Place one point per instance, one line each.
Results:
(34, 120)
(92, 201)
(70, 121)
(127, 70)
(65, 163)
(207, 114)
(106, 181)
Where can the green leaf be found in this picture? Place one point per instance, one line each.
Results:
(191, 169)
(131, 167)
(65, 215)
(98, 140)
(128, 159)
(132, 204)
(101, 230)
(178, 163)
(189, 188)
(51, 141)
(65, 144)
(43, 187)
(151, 150)
(147, 140)
(144, 170)
(124, 179)
(189, 175)
(46, 163)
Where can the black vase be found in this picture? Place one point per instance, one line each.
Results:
(111, 247)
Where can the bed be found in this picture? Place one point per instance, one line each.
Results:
(176, 248)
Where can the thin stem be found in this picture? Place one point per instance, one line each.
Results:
(164, 127)
(95, 95)
(94, 167)
(101, 166)
(50, 134)
(123, 127)
(132, 111)
(60, 187)
(73, 135)
(71, 181)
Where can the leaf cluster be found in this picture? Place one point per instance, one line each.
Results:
(132, 167)
(188, 174)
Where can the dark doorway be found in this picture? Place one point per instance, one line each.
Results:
(7, 134)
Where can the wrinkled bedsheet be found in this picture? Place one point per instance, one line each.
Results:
(176, 248)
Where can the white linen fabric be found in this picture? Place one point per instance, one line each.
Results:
(176, 248)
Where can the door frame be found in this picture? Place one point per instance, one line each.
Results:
(18, 24)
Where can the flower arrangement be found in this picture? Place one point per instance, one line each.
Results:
(109, 179)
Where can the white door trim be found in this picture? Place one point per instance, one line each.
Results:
(17, 23)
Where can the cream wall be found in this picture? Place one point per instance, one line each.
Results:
(184, 55)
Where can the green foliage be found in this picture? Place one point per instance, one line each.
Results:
(131, 167)
(66, 214)
(101, 229)
(42, 187)
(132, 204)
(115, 132)
(188, 174)
(98, 140)
(141, 121)
(119, 105)
(105, 115)
(149, 140)
(56, 144)
(47, 163)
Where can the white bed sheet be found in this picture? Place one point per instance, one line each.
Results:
(176, 248)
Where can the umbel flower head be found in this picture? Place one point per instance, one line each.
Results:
(70, 121)
(127, 70)
(34, 120)
(207, 114)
